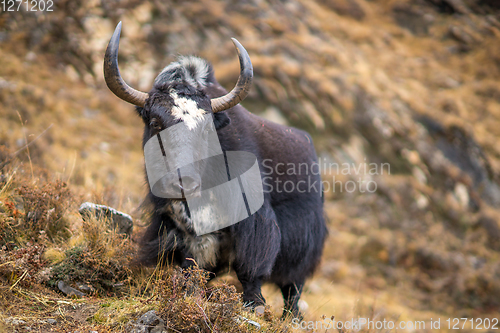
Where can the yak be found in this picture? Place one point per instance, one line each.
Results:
(282, 242)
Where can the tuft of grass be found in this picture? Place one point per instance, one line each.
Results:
(44, 208)
(54, 255)
(32, 204)
(22, 266)
(116, 313)
(100, 258)
(187, 305)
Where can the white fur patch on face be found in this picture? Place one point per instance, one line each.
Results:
(187, 110)
(194, 71)
(197, 70)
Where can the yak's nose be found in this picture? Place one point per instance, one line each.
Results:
(190, 186)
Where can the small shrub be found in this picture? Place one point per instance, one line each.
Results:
(22, 266)
(82, 267)
(100, 258)
(44, 209)
(187, 305)
(9, 223)
(54, 256)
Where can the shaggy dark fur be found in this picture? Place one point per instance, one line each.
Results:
(281, 243)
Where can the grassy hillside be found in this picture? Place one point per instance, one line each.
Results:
(408, 84)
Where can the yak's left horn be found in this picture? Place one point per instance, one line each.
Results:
(240, 91)
(112, 73)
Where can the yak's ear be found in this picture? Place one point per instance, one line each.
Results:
(221, 120)
(141, 112)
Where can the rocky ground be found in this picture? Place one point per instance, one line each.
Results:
(407, 84)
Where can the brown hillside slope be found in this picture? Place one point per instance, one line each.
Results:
(410, 83)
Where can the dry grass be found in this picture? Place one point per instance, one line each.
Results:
(188, 305)
(34, 258)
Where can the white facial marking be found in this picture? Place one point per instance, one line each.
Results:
(187, 110)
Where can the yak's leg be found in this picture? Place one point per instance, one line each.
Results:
(291, 295)
(257, 242)
(252, 295)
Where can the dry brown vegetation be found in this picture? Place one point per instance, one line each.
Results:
(42, 245)
(409, 83)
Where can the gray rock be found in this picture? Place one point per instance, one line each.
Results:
(51, 321)
(149, 318)
(148, 323)
(119, 220)
(70, 291)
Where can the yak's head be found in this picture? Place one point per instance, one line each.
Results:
(179, 113)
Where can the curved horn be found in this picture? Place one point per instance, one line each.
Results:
(112, 73)
(240, 91)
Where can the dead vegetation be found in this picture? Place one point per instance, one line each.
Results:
(42, 246)
(188, 305)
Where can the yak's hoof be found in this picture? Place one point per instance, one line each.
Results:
(257, 308)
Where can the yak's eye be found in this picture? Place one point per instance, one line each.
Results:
(155, 124)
